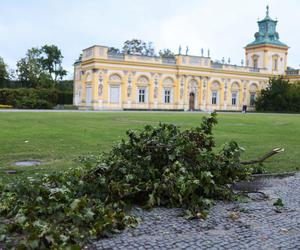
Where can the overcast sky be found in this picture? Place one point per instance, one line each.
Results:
(223, 26)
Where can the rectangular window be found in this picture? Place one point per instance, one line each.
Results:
(167, 95)
(252, 99)
(114, 94)
(142, 95)
(275, 67)
(214, 97)
(255, 63)
(234, 98)
(88, 95)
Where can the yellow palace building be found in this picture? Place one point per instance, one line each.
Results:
(105, 81)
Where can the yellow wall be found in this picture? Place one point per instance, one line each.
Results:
(97, 63)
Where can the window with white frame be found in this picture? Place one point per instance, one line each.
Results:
(214, 97)
(114, 94)
(275, 63)
(167, 95)
(142, 95)
(234, 98)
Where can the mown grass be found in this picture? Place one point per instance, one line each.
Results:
(59, 138)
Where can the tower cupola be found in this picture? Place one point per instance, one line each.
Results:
(267, 51)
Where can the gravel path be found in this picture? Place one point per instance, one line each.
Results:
(256, 224)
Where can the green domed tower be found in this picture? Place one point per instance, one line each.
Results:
(267, 51)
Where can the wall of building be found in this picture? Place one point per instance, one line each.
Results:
(265, 55)
(115, 85)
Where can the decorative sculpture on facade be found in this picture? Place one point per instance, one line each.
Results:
(155, 88)
(129, 88)
(204, 89)
(181, 87)
(100, 85)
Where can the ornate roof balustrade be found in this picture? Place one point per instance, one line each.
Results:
(149, 59)
(224, 66)
(101, 52)
(119, 57)
(293, 72)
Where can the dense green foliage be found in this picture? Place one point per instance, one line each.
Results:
(41, 67)
(160, 165)
(38, 81)
(279, 96)
(140, 47)
(30, 98)
(4, 76)
(166, 53)
(56, 211)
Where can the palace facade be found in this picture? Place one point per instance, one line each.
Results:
(105, 81)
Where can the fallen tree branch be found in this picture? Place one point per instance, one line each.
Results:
(264, 157)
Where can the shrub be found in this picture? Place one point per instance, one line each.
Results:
(34, 98)
(158, 166)
(279, 96)
(4, 106)
(65, 97)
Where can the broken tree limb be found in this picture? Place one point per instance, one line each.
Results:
(264, 157)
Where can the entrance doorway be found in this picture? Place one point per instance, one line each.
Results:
(192, 101)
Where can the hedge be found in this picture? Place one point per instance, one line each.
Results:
(34, 98)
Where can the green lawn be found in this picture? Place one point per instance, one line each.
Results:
(58, 138)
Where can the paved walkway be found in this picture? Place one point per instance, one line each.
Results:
(135, 111)
(256, 224)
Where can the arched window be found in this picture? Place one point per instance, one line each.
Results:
(234, 98)
(214, 97)
(142, 89)
(115, 78)
(168, 84)
(215, 93)
(234, 93)
(253, 93)
(275, 62)
(115, 82)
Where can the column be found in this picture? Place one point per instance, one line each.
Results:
(204, 92)
(186, 94)
(100, 89)
(151, 91)
(181, 92)
(129, 89)
(155, 91)
(176, 89)
(244, 87)
(226, 86)
(105, 97)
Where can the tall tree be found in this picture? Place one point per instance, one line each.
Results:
(29, 69)
(51, 61)
(41, 67)
(4, 75)
(280, 96)
(138, 47)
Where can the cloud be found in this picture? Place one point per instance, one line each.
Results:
(223, 26)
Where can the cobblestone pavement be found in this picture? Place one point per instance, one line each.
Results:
(256, 224)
